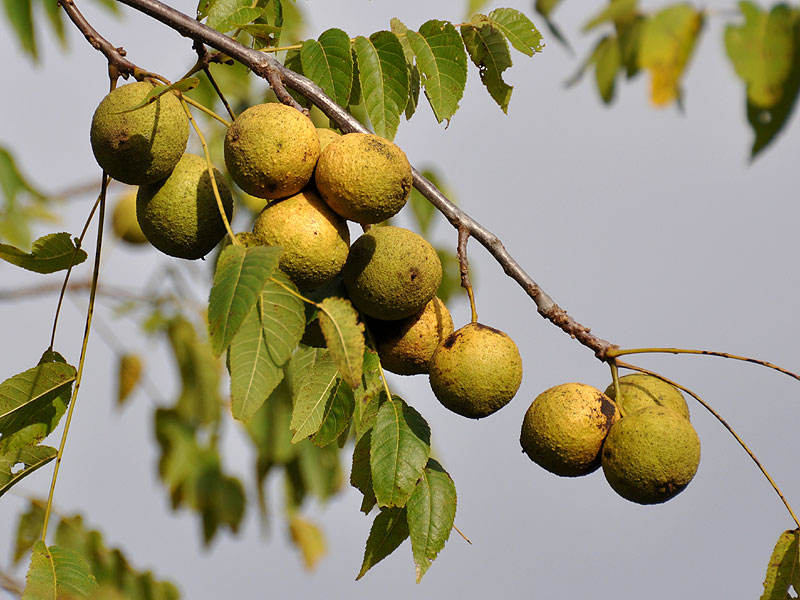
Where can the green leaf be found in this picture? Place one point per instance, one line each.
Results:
(667, 40)
(319, 386)
(399, 452)
(20, 15)
(401, 31)
(607, 59)
(336, 417)
(383, 79)
(283, 317)
(388, 531)
(488, 50)
(301, 365)
(360, 473)
(265, 34)
(421, 207)
(769, 122)
(618, 12)
(218, 11)
(240, 277)
(238, 18)
(50, 253)
(545, 8)
(366, 404)
(344, 336)
(294, 62)
(57, 572)
(55, 17)
(319, 469)
(443, 63)
(783, 571)
(329, 63)
(431, 512)
(29, 529)
(518, 29)
(31, 405)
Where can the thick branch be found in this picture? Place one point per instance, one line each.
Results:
(261, 63)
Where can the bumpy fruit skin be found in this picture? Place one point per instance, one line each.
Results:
(564, 428)
(651, 456)
(179, 214)
(326, 136)
(124, 223)
(405, 346)
(476, 371)
(271, 150)
(364, 177)
(640, 390)
(391, 273)
(143, 145)
(315, 240)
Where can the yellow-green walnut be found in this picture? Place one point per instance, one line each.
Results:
(564, 428)
(123, 220)
(326, 136)
(405, 346)
(271, 150)
(391, 273)
(315, 240)
(651, 456)
(476, 371)
(364, 177)
(143, 145)
(179, 214)
(640, 390)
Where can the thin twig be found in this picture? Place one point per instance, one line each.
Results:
(261, 62)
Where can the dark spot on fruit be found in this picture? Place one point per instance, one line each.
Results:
(451, 339)
(608, 409)
(413, 273)
(487, 328)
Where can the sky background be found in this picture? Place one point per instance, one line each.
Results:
(650, 226)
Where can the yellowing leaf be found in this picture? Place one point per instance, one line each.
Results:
(783, 571)
(667, 40)
(129, 372)
(308, 537)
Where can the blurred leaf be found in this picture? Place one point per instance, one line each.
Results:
(329, 63)
(55, 17)
(431, 512)
(443, 63)
(451, 275)
(617, 11)
(239, 279)
(308, 537)
(29, 529)
(783, 571)
(488, 49)
(319, 469)
(20, 15)
(50, 253)
(629, 36)
(336, 417)
(388, 531)
(518, 29)
(319, 386)
(22, 204)
(421, 207)
(57, 572)
(399, 451)
(294, 62)
(31, 405)
(545, 8)
(474, 6)
(344, 336)
(667, 40)
(383, 80)
(129, 373)
(607, 59)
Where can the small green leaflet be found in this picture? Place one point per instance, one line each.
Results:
(518, 29)
(431, 512)
(57, 572)
(239, 279)
(319, 386)
(783, 571)
(29, 529)
(50, 253)
(20, 14)
(329, 63)
(389, 530)
(344, 336)
(399, 451)
(545, 8)
(384, 80)
(238, 18)
(607, 59)
(336, 416)
(184, 85)
(443, 63)
(618, 11)
(488, 50)
(218, 11)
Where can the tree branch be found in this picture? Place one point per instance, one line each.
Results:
(263, 64)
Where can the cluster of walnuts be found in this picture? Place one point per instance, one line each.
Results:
(315, 181)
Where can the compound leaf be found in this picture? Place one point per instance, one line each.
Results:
(389, 530)
(50, 253)
(383, 79)
(329, 63)
(431, 512)
(57, 572)
(344, 336)
(399, 451)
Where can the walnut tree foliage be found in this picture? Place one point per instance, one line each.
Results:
(321, 417)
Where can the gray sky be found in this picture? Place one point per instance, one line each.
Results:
(649, 226)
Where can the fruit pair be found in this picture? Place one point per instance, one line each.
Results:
(648, 456)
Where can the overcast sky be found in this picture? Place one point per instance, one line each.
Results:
(648, 226)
